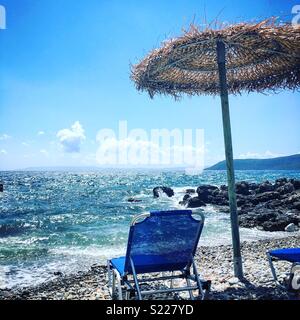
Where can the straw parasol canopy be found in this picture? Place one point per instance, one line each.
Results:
(259, 57)
(251, 57)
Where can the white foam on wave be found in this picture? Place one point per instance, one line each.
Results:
(93, 251)
(22, 241)
(12, 276)
(67, 260)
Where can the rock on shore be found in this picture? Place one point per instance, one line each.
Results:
(268, 206)
(158, 190)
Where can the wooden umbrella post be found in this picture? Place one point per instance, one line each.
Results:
(238, 267)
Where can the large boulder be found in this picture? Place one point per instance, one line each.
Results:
(248, 220)
(204, 191)
(207, 187)
(280, 182)
(291, 199)
(286, 188)
(190, 191)
(223, 194)
(265, 187)
(186, 197)
(296, 183)
(296, 205)
(253, 186)
(280, 222)
(168, 191)
(276, 203)
(294, 216)
(268, 219)
(220, 201)
(240, 200)
(223, 187)
(278, 225)
(242, 188)
(195, 202)
(267, 196)
(215, 193)
(266, 215)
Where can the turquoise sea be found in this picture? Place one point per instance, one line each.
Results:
(67, 221)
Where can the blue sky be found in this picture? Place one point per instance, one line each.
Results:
(64, 75)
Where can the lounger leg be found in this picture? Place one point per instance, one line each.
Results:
(109, 275)
(197, 279)
(111, 280)
(113, 285)
(273, 271)
(127, 295)
(172, 281)
(126, 289)
(118, 279)
(119, 287)
(135, 280)
(188, 282)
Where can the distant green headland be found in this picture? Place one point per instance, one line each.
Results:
(281, 163)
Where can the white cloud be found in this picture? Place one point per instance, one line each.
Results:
(27, 156)
(25, 144)
(40, 133)
(71, 139)
(257, 155)
(44, 152)
(3, 151)
(4, 136)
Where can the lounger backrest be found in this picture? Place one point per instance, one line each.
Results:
(164, 241)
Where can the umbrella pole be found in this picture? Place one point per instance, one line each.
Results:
(237, 259)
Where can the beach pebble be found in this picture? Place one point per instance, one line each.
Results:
(291, 228)
(233, 281)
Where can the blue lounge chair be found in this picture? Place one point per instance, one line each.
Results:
(291, 255)
(159, 242)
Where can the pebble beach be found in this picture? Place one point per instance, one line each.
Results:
(214, 263)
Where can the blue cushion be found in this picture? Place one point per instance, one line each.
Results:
(148, 263)
(289, 254)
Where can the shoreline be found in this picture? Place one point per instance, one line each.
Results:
(214, 263)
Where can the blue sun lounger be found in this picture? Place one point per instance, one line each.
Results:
(291, 255)
(159, 242)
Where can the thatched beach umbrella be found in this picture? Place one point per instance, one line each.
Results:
(243, 57)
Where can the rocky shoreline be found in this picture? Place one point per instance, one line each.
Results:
(214, 263)
(266, 206)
